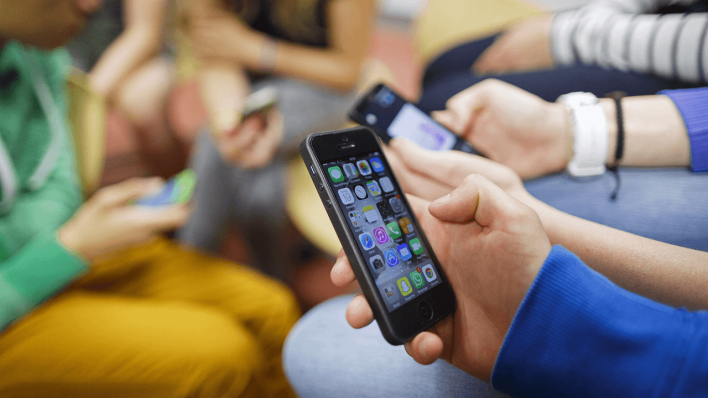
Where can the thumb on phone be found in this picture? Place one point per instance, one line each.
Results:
(126, 191)
(476, 199)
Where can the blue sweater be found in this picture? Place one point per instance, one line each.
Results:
(693, 105)
(578, 334)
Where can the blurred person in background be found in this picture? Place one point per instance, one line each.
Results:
(312, 52)
(129, 48)
(92, 301)
(636, 46)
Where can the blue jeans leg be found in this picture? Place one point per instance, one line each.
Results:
(325, 357)
(669, 204)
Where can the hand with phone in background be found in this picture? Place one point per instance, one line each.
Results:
(254, 141)
(390, 116)
(125, 214)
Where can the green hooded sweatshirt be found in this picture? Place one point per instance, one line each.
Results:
(39, 188)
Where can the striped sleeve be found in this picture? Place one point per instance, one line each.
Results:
(622, 35)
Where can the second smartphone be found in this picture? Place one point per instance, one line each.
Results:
(389, 253)
(389, 115)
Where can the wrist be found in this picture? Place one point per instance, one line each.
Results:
(560, 123)
(610, 111)
(68, 239)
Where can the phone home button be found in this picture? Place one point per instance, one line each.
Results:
(426, 312)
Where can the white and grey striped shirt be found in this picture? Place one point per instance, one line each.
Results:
(623, 34)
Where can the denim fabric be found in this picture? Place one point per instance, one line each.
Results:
(668, 205)
(325, 357)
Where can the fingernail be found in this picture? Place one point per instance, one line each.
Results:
(441, 200)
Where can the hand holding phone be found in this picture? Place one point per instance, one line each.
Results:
(389, 115)
(492, 247)
(390, 255)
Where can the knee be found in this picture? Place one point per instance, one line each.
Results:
(221, 359)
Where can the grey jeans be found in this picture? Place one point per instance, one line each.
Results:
(253, 200)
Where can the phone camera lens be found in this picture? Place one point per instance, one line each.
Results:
(371, 119)
(345, 138)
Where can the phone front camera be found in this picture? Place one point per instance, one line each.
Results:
(345, 138)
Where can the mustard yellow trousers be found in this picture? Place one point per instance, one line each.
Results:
(154, 321)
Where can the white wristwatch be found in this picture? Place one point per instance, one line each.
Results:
(589, 132)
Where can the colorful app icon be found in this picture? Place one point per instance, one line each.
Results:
(385, 210)
(380, 235)
(404, 252)
(355, 216)
(377, 263)
(420, 271)
(417, 279)
(386, 184)
(390, 293)
(404, 286)
(346, 195)
(370, 213)
(360, 192)
(393, 230)
(364, 168)
(374, 188)
(350, 171)
(416, 246)
(406, 225)
(366, 240)
(429, 273)
(391, 258)
(396, 204)
(377, 165)
(335, 173)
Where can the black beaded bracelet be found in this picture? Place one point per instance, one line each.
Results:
(619, 152)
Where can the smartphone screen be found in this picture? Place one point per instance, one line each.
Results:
(391, 116)
(396, 257)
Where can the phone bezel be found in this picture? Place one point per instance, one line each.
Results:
(403, 323)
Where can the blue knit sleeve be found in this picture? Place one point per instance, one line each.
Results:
(578, 334)
(693, 105)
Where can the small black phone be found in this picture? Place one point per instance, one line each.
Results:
(389, 115)
(389, 253)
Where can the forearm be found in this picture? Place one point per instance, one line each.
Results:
(329, 68)
(576, 333)
(124, 55)
(654, 132)
(669, 274)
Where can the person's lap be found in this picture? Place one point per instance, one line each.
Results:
(668, 205)
(325, 357)
(155, 320)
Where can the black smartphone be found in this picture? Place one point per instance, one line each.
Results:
(389, 115)
(389, 253)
